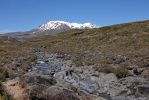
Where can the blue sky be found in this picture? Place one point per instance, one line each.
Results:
(22, 15)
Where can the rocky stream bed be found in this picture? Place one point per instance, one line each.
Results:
(54, 78)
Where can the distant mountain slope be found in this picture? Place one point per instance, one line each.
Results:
(106, 44)
(61, 25)
(50, 28)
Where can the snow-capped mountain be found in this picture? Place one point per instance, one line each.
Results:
(58, 25)
(50, 28)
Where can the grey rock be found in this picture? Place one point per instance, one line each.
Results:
(89, 86)
(36, 79)
(51, 77)
(129, 98)
(143, 89)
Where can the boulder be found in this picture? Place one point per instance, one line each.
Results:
(143, 89)
(36, 79)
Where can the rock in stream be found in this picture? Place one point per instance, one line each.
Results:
(53, 78)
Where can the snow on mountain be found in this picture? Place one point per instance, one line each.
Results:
(62, 25)
(50, 28)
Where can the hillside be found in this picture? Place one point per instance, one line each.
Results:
(126, 42)
(120, 49)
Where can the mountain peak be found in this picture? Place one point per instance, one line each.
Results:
(50, 28)
(58, 25)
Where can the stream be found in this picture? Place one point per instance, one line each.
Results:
(52, 70)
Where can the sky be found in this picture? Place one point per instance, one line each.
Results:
(23, 15)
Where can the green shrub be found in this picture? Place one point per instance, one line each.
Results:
(3, 74)
(107, 69)
(78, 62)
(89, 62)
(121, 72)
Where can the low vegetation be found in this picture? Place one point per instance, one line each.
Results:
(107, 45)
(111, 45)
(120, 72)
(15, 59)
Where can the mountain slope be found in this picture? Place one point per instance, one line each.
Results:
(118, 44)
(113, 42)
(61, 25)
(50, 28)
(120, 49)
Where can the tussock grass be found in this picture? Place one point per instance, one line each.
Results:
(91, 46)
(116, 44)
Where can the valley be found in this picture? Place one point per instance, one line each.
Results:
(107, 63)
